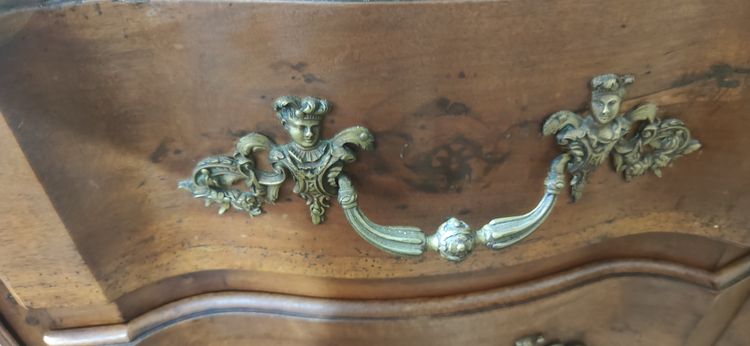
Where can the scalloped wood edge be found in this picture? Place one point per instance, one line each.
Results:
(211, 304)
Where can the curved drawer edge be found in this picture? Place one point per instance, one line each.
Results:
(212, 304)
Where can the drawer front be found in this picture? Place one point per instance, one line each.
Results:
(108, 106)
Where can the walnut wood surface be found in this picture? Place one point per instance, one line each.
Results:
(24, 326)
(596, 313)
(587, 320)
(737, 333)
(423, 314)
(38, 249)
(107, 105)
(6, 338)
(723, 310)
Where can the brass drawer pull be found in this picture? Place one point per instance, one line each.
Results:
(454, 239)
(317, 168)
(539, 340)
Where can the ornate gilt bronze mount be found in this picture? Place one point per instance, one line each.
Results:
(589, 140)
(454, 239)
(314, 164)
(539, 340)
(317, 168)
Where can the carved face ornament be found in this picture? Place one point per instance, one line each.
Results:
(301, 119)
(605, 107)
(304, 132)
(318, 168)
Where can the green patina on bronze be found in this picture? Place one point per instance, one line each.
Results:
(589, 140)
(317, 168)
(314, 164)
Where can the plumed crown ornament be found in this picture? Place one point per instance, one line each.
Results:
(307, 108)
(611, 84)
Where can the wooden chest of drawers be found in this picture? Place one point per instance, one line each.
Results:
(108, 105)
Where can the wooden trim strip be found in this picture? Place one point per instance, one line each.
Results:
(212, 304)
(6, 338)
(732, 273)
(27, 6)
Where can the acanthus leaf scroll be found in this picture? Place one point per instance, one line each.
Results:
(637, 141)
(315, 164)
(590, 140)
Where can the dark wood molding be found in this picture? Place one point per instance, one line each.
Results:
(106, 106)
(211, 304)
(6, 338)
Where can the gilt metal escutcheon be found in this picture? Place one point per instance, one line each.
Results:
(638, 141)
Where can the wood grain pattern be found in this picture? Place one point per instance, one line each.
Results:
(723, 310)
(737, 333)
(26, 327)
(211, 317)
(123, 105)
(6, 339)
(36, 246)
(148, 297)
(106, 105)
(210, 305)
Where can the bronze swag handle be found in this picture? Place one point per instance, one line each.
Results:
(637, 141)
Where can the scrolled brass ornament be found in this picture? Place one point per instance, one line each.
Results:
(539, 340)
(316, 165)
(589, 140)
